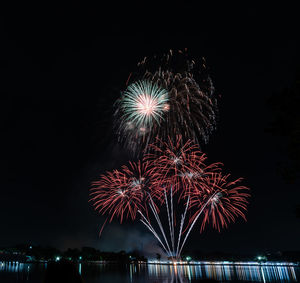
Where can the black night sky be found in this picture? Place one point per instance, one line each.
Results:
(62, 69)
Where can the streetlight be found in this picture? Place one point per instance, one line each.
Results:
(261, 258)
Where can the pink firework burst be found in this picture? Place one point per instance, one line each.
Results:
(219, 200)
(171, 171)
(179, 166)
(121, 193)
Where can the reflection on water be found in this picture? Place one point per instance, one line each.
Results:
(79, 268)
(238, 272)
(226, 272)
(21, 272)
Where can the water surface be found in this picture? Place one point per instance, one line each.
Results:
(98, 273)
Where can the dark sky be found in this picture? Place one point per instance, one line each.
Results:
(62, 69)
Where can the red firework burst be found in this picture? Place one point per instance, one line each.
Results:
(180, 166)
(171, 169)
(121, 193)
(219, 200)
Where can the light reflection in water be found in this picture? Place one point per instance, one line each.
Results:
(21, 270)
(225, 272)
(79, 268)
(251, 272)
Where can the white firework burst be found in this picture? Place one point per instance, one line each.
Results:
(144, 102)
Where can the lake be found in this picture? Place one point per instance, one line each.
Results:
(98, 273)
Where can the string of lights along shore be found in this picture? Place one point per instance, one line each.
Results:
(167, 110)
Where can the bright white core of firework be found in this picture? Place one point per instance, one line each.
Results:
(144, 102)
(146, 105)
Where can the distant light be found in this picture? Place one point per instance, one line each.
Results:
(80, 258)
(57, 258)
(30, 247)
(188, 258)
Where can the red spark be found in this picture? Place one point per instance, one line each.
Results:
(222, 200)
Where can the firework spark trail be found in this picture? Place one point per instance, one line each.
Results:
(193, 223)
(102, 227)
(152, 206)
(181, 225)
(168, 214)
(172, 218)
(150, 227)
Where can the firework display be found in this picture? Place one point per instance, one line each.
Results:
(178, 164)
(228, 200)
(140, 109)
(144, 103)
(166, 111)
(184, 104)
(121, 193)
(171, 172)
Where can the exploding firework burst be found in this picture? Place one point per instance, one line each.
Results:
(144, 102)
(177, 164)
(140, 109)
(171, 171)
(121, 193)
(227, 200)
(191, 107)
